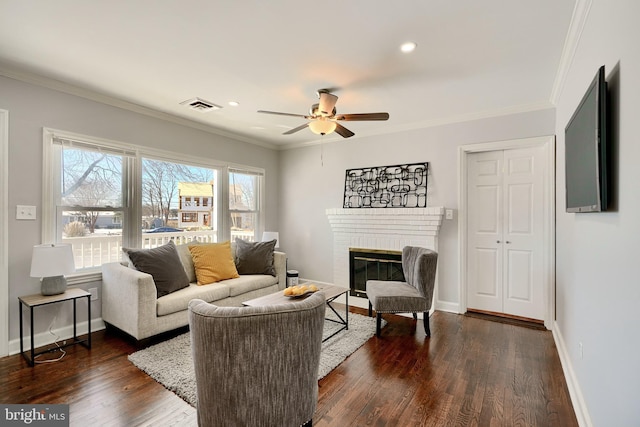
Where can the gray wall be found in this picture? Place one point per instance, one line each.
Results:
(597, 271)
(33, 107)
(309, 186)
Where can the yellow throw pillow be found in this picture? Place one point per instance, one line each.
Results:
(213, 262)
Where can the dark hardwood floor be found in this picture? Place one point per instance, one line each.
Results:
(471, 372)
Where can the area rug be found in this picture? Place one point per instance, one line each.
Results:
(170, 362)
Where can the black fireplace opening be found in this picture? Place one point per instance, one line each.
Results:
(372, 264)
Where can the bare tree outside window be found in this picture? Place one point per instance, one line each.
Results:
(90, 179)
(160, 181)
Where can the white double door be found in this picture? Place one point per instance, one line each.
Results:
(505, 264)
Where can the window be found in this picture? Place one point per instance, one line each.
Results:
(87, 203)
(244, 204)
(189, 217)
(101, 195)
(171, 194)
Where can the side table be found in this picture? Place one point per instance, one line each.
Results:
(36, 300)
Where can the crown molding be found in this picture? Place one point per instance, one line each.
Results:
(576, 26)
(60, 86)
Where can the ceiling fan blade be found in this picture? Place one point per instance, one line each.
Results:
(284, 114)
(327, 103)
(294, 130)
(363, 116)
(343, 131)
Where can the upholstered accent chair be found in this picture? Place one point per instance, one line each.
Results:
(412, 296)
(257, 366)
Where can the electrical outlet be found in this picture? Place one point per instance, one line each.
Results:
(94, 293)
(448, 213)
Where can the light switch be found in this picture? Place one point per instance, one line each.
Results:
(25, 212)
(448, 213)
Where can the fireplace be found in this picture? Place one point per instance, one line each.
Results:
(383, 229)
(372, 264)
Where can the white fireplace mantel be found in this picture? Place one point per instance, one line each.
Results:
(380, 228)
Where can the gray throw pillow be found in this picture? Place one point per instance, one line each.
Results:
(163, 263)
(255, 257)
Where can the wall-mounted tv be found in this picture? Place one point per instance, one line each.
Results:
(586, 141)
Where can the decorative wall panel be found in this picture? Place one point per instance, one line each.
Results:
(399, 186)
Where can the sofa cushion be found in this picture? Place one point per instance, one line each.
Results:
(163, 264)
(248, 283)
(213, 262)
(187, 260)
(179, 301)
(255, 257)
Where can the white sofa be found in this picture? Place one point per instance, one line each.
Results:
(129, 300)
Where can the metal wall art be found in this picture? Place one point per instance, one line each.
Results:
(400, 186)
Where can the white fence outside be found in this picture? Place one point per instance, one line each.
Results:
(95, 250)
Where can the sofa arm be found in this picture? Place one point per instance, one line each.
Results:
(280, 264)
(129, 299)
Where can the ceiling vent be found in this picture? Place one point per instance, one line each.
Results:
(201, 105)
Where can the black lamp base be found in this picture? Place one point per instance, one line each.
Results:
(53, 285)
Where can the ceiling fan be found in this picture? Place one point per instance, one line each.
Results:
(323, 118)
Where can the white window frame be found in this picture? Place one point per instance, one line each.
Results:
(260, 217)
(132, 209)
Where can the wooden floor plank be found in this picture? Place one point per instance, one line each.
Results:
(471, 372)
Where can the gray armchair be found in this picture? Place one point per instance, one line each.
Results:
(257, 366)
(412, 296)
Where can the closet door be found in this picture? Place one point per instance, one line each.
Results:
(505, 225)
(485, 223)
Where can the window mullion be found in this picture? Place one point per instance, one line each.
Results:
(224, 214)
(132, 203)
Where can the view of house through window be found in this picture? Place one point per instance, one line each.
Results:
(178, 203)
(94, 203)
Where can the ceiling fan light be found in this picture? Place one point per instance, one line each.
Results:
(322, 127)
(408, 47)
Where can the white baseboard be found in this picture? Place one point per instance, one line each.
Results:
(450, 307)
(45, 338)
(577, 399)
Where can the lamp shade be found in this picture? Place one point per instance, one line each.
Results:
(268, 236)
(52, 260)
(322, 126)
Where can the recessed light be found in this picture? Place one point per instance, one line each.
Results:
(408, 47)
(234, 103)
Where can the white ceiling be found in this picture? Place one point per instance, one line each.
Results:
(474, 58)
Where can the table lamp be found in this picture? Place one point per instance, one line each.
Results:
(51, 262)
(268, 236)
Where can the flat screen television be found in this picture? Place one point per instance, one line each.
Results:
(586, 141)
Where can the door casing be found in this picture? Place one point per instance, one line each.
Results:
(548, 232)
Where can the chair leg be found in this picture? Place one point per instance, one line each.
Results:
(415, 316)
(378, 322)
(427, 329)
(370, 308)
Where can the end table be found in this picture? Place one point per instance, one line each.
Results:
(36, 300)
